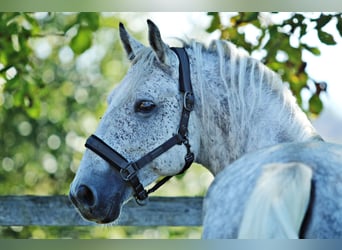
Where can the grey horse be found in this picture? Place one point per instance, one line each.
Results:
(274, 175)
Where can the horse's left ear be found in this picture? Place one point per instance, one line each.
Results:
(157, 44)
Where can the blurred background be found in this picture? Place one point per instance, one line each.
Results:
(56, 70)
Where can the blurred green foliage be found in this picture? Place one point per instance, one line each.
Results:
(56, 70)
(49, 98)
(282, 45)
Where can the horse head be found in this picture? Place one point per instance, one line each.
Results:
(144, 112)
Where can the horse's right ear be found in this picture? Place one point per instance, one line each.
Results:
(131, 45)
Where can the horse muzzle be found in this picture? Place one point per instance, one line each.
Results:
(99, 207)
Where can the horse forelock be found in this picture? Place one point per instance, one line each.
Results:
(144, 56)
(143, 64)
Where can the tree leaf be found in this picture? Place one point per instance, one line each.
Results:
(303, 28)
(326, 38)
(34, 110)
(89, 19)
(315, 104)
(339, 25)
(246, 17)
(82, 41)
(215, 22)
(313, 50)
(322, 21)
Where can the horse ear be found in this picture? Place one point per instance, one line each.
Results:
(130, 44)
(157, 44)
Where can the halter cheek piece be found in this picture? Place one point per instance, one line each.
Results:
(128, 170)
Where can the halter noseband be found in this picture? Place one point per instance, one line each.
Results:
(128, 170)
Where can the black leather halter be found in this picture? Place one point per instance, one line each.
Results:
(128, 170)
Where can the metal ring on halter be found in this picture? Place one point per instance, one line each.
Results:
(142, 202)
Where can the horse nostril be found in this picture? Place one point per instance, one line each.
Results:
(85, 195)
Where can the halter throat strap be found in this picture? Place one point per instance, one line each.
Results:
(128, 170)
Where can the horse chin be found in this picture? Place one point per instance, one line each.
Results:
(113, 213)
(110, 218)
(102, 217)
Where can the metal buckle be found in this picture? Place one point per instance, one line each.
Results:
(142, 201)
(129, 171)
(188, 101)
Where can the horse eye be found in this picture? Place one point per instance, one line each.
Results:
(144, 106)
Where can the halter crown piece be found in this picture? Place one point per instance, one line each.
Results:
(128, 170)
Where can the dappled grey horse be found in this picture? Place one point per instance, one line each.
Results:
(274, 176)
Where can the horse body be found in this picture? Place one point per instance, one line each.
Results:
(224, 210)
(241, 108)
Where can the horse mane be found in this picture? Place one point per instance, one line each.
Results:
(250, 94)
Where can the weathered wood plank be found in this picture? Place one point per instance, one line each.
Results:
(58, 211)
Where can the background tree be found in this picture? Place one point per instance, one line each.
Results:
(282, 46)
(56, 70)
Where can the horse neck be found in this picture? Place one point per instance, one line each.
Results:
(241, 106)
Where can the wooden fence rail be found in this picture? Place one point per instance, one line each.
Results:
(58, 211)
